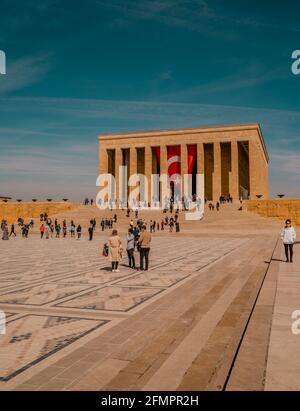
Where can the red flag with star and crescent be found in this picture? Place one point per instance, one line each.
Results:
(174, 162)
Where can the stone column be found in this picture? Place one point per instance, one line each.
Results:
(200, 158)
(234, 173)
(200, 171)
(148, 169)
(132, 164)
(217, 172)
(184, 165)
(118, 162)
(163, 166)
(103, 164)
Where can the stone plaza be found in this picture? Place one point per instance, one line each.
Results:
(212, 313)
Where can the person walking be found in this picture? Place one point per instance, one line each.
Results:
(115, 250)
(130, 248)
(288, 236)
(78, 232)
(144, 245)
(47, 230)
(42, 230)
(5, 235)
(91, 232)
(12, 230)
(171, 224)
(72, 230)
(57, 229)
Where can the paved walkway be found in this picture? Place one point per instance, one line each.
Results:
(283, 368)
(185, 324)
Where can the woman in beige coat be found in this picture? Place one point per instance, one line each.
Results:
(115, 250)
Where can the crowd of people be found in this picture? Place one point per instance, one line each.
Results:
(138, 237)
(86, 202)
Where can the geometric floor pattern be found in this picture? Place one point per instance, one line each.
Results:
(58, 291)
(32, 338)
(41, 294)
(111, 298)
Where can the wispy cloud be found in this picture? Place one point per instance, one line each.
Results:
(24, 72)
(191, 15)
(251, 77)
(194, 15)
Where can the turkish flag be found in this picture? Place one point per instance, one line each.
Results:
(192, 153)
(174, 161)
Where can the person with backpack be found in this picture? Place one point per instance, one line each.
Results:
(288, 236)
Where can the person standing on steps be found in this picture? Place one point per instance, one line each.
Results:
(144, 246)
(115, 250)
(288, 236)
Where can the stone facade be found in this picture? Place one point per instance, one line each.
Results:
(233, 158)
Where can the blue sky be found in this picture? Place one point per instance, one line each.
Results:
(78, 69)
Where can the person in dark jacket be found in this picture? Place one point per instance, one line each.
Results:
(91, 232)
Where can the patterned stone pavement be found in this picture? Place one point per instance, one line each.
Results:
(73, 324)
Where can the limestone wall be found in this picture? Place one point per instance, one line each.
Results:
(12, 211)
(280, 208)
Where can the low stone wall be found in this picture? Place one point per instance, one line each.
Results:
(282, 208)
(12, 211)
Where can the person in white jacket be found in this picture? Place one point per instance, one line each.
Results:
(288, 236)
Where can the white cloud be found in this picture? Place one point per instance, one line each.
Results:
(24, 72)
